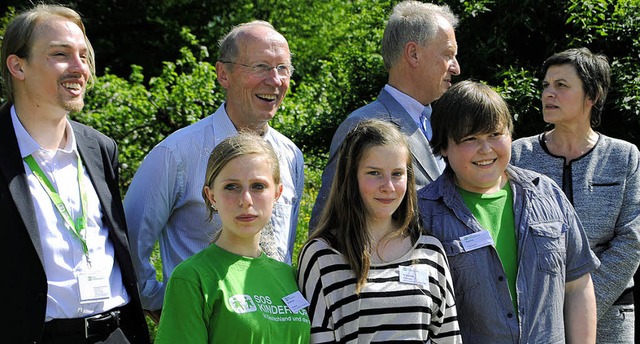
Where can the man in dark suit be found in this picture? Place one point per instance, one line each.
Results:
(419, 51)
(65, 255)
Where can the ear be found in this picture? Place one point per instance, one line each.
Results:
(15, 65)
(223, 74)
(209, 193)
(410, 53)
(278, 192)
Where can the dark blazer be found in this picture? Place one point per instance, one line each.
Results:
(24, 283)
(387, 108)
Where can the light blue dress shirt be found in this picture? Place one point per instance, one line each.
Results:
(412, 106)
(164, 202)
(425, 122)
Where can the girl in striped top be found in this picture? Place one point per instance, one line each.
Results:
(369, 272)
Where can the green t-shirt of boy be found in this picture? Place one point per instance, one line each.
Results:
(494, 212)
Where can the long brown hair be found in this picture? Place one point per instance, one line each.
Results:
(343, 222)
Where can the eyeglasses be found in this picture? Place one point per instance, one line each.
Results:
(263, 70)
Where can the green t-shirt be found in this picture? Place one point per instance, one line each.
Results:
(219, 297)
(495, 214)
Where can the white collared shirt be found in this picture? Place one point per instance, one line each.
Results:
(63, 254)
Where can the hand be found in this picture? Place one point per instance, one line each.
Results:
(154, 315)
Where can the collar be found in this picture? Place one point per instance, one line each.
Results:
(223, 127)
(412, 106)
(29, 146)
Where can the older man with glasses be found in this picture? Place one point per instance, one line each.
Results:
(164, 202)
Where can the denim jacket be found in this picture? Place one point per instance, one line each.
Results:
(552, 250)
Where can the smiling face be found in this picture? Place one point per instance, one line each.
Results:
(54, 76)
(479, 161)
(564, 101)
(244, 193)
(251, 99)
(441, 63)
(382, 181)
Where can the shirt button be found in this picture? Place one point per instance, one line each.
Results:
(509, 315)
(500, 278)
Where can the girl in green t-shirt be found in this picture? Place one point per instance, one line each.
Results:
(232, 292)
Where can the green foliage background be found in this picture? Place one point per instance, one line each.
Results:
(156, 60)
(156, 63)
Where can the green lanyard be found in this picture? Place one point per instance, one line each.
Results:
(80, 223)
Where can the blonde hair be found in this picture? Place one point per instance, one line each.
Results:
(19, 37)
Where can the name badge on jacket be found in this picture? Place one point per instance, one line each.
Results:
(476, 240)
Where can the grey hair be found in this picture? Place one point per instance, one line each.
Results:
(412, 21)
(228, 45)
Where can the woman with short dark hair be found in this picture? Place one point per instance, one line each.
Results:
(600, 175)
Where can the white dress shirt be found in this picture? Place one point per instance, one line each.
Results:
(63, 254)
(164, 202)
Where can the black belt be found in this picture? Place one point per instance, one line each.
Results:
(96, 325)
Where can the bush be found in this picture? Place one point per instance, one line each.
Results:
(138, 116)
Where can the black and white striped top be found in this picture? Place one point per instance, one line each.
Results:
(417, 307)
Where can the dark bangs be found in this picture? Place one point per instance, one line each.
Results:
(481, 115)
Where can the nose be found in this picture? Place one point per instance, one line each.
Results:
(485, 147)
(245, 199)
(387, 184)
(548, 92)
(455, 67)
(273, 78)
(78, 64)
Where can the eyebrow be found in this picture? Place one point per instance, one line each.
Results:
(556, 80)
(58, 44)
(235, 180)
(381, 168)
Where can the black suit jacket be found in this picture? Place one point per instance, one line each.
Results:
(24, 281)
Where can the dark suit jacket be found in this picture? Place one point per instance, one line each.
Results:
(24, 283)
(386, 108)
